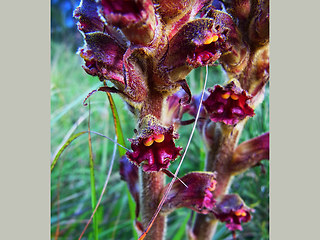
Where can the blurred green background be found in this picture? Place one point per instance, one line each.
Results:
(70, 179)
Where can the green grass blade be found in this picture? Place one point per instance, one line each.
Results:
(182, 229)
(92, 183)
(117, 125)
(73, 137)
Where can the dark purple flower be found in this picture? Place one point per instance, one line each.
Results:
(198, 43)
(232, 210)
(197, 196)
(153, 146)
(228, 104)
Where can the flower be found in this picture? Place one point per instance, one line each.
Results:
(232, 210)
(197, 196)
(153, 146)
(228, 104)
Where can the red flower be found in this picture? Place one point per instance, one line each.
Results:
(154, 146)
(228, 104)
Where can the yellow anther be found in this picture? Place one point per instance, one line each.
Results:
(148, 142)
(212, 186)
(210, 39)
(158, 138)
(225, 95)
(234, 97)
(240, 213)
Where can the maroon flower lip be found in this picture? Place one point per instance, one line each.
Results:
(234, 219)
(228, 104)
(232, 210)
(154, 147)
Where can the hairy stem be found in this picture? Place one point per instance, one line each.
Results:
(151, 186)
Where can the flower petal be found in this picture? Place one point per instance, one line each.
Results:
(135, 18)
(153, 145)
(250, 153)
(89, 19)
(175, 13)
(197, 196)
(198, 43)
(103, 57)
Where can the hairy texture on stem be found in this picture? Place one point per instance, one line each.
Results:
(151, 187)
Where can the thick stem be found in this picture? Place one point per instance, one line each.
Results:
(152, 105)
(223, 141)
(151, 186)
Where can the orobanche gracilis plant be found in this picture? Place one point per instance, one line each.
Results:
(143, 50)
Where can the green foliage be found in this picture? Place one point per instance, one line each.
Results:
(70, 179)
